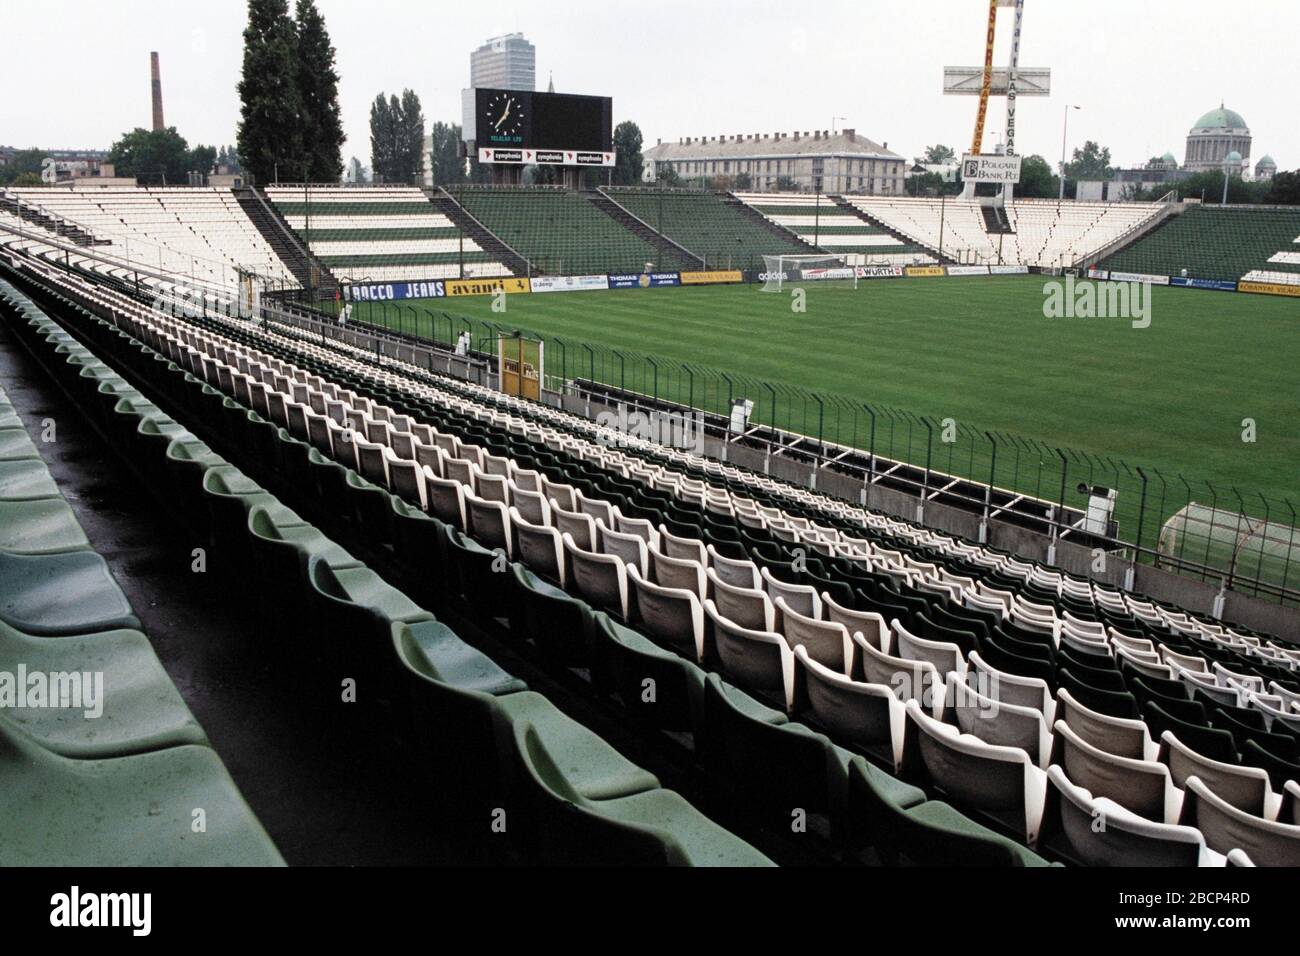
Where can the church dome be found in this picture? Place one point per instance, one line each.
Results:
(1220, 119)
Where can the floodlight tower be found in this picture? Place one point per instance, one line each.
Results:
(987, 81)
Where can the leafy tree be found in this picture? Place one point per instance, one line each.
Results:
(1284, 190)
(742, 181)
(160, 156)
(382, 137)
(356, 172)
(786, 184)
(203, 159)
(411, 141)
(1036, 179)
(926, 184)
(447, 166)
(668, 177)
(270, 127)
(627, 154)
(318, 92)
(937, 155)
(28, 179)
(25, 162)
(1091, 161)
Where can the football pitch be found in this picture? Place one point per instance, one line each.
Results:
(1170, 398)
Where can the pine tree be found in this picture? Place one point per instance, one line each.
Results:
(318, 90)
(270, 128)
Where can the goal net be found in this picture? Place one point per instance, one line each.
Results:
(1244, 546)
(780, 271)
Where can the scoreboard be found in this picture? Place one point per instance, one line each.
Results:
(523, 127)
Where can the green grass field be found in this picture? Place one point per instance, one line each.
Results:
(1170, 397)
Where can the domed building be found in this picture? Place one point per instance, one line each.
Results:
(1213, 137)
(1266, 168)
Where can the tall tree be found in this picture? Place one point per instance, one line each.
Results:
(270, 127)
(203, 159)
(447, 167)
(1036, 179)
(318, 91)
(627, 154)
(381, 138)
(411, 139)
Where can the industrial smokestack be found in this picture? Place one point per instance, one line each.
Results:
(156, 77)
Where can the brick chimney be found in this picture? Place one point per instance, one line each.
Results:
(155, 76)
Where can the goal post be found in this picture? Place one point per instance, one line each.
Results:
(779, 271)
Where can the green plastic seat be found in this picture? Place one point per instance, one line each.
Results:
(16, 444)
(140, 709)
(230, 495)
(26, 479)
(46, 526)
(68, 593)
(896, 819)
(134, 810)
(646, 828)
(559, 624)
(673, 701)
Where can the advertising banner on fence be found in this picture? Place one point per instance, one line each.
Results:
(990, 169)
(706, 278)
(1138, 277)
(644, 280)
(545, 157)
(569, 283)
(1098, 274)
(914, 272)
(486, 286)
(1269, 288)
(394, 291)
(878, 272)
(1009, 270)
(1219, 285)
(815, 275)
(968, 270)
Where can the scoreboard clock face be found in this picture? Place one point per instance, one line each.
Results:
(506, 117)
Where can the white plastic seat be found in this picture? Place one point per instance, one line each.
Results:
(1100, 832)
(406, 478)
(1142, 786)
(910, 680)
(531, 504)
(599, 509)
(802, 597)
(743, 574)
(630, 548)
(753, 659)
(869, 624)
(748, 607)
(678, 573)
(947, 658)
(581, 527)
(673, 615)
(1001, 781)
(997, 722)
(827, 642)
(489, 522)
(446, 498)
(1246, 788)
(1225, 828)
(675, 547)
(1121, 736)
(600, 578)
(868, 716)
(538, 546)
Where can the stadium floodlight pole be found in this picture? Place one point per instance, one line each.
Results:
(1065, 124)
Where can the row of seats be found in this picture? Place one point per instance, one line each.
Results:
(568, 795)
(190, 231)
(1218, 242)
(822, 222)
(107, 770)
(714, 226)
(381, 233)
(1026, 609)
(1044, 233)
(943, 825)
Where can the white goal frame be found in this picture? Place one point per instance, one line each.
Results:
(774, 268)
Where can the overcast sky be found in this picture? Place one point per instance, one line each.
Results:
(75, 73)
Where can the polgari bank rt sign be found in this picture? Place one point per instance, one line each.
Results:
(990, 169)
